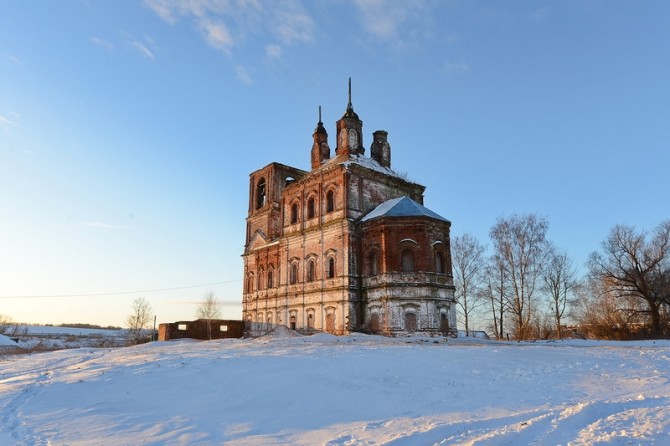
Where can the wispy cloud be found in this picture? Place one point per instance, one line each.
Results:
(142, 49)
(226, 24)
(273, 51)
(395, 22)
(243, 75)
(216, 34)
(456, 68)
(12, 58)
(6, 123)
(102, 43)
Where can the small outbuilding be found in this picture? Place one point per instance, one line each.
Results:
(204, 329)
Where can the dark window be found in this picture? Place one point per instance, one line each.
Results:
(270, 281)
(330, 201)
(260, 194)
(373, 264)
(407, 260)
(310, 271)
(294, 273)
(310, 207)
(330, 268)
(294, 213)
(250, 284)
(439, 263)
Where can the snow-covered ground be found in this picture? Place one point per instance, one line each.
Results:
(353, 390)
(41, 337)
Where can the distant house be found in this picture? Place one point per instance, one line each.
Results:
(201, 329)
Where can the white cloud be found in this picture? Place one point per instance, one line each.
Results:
(273, 51)
(142, 49)
(226, 24)
(393, 21)
(216, 34)
(456, 68)
(12, 58)
(6, 123)
(243, 75)
(291, 24)
(102, 43)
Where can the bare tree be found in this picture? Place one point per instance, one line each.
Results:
(637, 265)
(601, 314)
(521, 248)
(209, 309)
(496, 293)
(139, 318)
(6, 324)
(468, 262)
(559, 283)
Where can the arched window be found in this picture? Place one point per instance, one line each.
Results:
(294, 213)
(250, 284)
(311, 271)
(439, 263)
(373, 264)
(293, 273)
(260, 281)
(310, 208)
(330, 201)
(407, 260)
(260, 194)
(330, 267)
(270, 279)
(310, 321)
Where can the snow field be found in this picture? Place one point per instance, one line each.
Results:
(353, 390)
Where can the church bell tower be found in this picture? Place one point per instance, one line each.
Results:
(349, 132)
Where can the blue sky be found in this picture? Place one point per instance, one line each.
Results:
(128, 129)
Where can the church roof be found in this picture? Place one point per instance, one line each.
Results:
(401, 207)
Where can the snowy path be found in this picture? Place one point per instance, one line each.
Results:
(355, 390)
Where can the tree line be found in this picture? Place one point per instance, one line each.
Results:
(526, 287)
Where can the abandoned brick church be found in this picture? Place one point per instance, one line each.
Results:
(347, 246)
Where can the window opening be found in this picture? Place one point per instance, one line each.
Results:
(310, 208)
(330, 201)
(439, 263)
(294, 213)
(310, 271)
(407, 261)
(294, 273)
(260, 194)
(331, 267)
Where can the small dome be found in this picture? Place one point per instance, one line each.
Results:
(320, 129)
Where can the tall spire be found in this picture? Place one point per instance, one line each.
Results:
(349, 131)
(320, 149)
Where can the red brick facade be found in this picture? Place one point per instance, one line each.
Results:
(318, 258)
